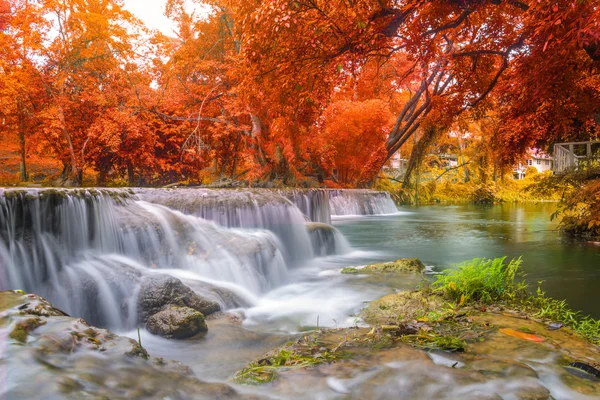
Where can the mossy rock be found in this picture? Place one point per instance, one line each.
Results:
(22, 328)
(403, 306)
(177, 323)
(401, 265)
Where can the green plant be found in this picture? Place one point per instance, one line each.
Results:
(491, 281)
(481, 280)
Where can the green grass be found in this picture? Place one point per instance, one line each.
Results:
(265, 370)
(493, 281)
(482, 280)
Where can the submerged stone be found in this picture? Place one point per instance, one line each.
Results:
(56, 356)
(177, 323)
(400, 265)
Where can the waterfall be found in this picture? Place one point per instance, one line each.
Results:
(360, 202)
(87, 251)
(284, 213)
(314, 203)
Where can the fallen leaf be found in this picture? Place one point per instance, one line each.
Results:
(521, 335)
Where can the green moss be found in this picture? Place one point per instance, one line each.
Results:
(22, 328)
(400, 265)
(433, 341)
(13, 194)
(307, 352)
(403, 306)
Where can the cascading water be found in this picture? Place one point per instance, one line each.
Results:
(314, 203)
(283, 213)
(360, 202)
(87, 251)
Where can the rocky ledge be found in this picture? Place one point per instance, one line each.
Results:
(400, 265)
(474, 333)
(48, 354)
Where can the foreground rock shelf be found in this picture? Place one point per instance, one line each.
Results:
(48, 354)
(473, 353)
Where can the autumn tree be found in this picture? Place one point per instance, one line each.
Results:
(22, 94)
(461, 50)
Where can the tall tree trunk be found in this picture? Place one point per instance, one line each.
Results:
(235, 154)
(22, 164)
(416, 156)
(461, 160)
(130, 173)
(76, 173)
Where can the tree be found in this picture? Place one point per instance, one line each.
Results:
(461, 50)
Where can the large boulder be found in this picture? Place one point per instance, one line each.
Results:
(159, 292)
(176, 323)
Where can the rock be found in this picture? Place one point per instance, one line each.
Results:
(158, 292)
(54, 356)
(177, 323)
(406, 306)
(400, 265)
(322, 237)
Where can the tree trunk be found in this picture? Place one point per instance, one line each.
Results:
(22, 164)
(130, 173)
(235, 155)
(418, 151)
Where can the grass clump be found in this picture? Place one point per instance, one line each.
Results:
(433, 341)
(482, 281)
(493, 281)
(306, 352)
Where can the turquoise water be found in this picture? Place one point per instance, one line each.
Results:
(442, 236)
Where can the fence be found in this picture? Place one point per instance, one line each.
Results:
(570, 156)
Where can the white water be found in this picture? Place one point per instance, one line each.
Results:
(360, 202)
(88, 251)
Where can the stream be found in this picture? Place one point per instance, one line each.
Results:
(278, 253)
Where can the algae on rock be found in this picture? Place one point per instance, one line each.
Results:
(401, 265)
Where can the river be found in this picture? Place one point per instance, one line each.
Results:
(88, 252)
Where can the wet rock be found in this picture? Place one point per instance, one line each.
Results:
(65, 357)
(583, 370)
(177, 323)
(159, 292)
(405, 305)
(400, 265)
(224, 297)
(322, 237)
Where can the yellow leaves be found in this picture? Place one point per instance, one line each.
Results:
(521, 335)
(462, 299)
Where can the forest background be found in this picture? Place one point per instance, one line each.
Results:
(305, 93)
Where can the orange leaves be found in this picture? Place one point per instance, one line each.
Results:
(521, 335)
(355, 133)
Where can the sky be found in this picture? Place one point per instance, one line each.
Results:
(151, 12)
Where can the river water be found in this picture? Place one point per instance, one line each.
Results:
(441, 236)
(88, 253)
(444, 235)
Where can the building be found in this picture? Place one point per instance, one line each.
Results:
(537, 159)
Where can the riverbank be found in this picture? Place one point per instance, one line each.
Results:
(476, 327)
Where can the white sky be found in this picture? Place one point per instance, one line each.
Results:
(151, 12)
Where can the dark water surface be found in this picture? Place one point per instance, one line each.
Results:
(443, 235)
